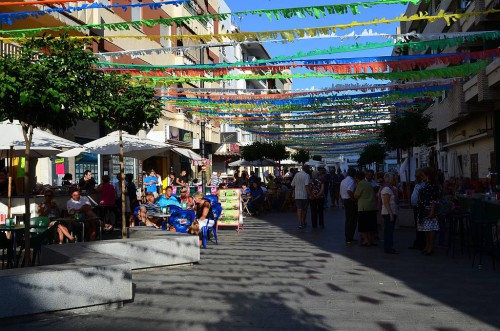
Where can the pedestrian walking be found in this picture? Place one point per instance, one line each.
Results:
(389, 198)
(419, 242)
(316, 200)
(367, 210)
(347, 189)
(427, 203)
(300, 183)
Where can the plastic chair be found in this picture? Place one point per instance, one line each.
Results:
(212, 198)
(136, 212)
(39, 236)
(174, 208)
(217, 211)
(181, 220)
(39, 224)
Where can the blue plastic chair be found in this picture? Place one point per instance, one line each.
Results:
(181, 220)
(212, 198)
(174, 208)
(216, 210)
(136, 212)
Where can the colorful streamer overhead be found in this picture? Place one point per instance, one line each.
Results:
(289, 34)
(9, 18)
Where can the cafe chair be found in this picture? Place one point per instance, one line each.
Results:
(180, 220)
(212, 198)
(136, 215)
(217, 211)
(5, 245)
(174, 208)
(39, 235)
(484, 240)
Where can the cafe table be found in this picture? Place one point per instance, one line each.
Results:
(163, 216)
(11, 254)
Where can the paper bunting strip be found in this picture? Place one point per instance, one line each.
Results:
(298, 62)
(340, 66)
(449, 72)
(41, 2)
(229, 94)
(290, 34)
(232, 93)
(328, 99)
(315, 11)
(9, 18)
(365, 33)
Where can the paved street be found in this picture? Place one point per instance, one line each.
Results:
(273, 276)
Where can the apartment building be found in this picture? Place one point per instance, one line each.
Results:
(174, 127)
(467, 117)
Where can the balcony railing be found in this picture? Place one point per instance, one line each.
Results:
(9, 49)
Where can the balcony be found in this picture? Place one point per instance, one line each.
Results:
(493, 73)
(8, 49)
(470, 89)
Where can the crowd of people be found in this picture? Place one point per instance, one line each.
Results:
(363, 195)
(364, 198)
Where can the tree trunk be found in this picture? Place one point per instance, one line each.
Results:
(9, 190)
(28, 137)
(122, 185)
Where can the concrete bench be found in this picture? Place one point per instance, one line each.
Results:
(92, 273)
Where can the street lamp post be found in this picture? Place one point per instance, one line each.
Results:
(202, 140)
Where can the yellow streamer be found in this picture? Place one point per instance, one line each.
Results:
(289, 35)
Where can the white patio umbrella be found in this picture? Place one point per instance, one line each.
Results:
(238, 163)
(44, 144)
(288, 162)
(133, 146)
(263, 163)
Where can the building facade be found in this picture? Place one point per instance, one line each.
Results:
(467, 142)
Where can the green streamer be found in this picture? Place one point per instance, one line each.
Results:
(417, 46)
(448, 72)
(299, 12)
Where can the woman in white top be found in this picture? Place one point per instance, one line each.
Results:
(388, 195)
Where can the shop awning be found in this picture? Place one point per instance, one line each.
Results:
(187, 153)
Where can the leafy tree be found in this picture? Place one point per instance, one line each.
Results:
(277, 152)
(50, 84)
(317, 157)
(407, 131)
(124, 105)
(372, 153)
(255, 151)
(301, 156)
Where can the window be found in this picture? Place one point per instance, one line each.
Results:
(474, 166)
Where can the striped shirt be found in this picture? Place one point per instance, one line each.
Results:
(299, 182)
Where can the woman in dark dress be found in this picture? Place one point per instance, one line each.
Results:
(427, 202)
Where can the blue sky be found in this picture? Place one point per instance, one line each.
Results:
(256, 23)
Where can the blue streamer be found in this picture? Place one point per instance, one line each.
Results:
(9, 18)
(312, 100)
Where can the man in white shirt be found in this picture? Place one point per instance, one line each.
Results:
(419, 242)
(300, 183)
(81, 205)
(347, 188)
